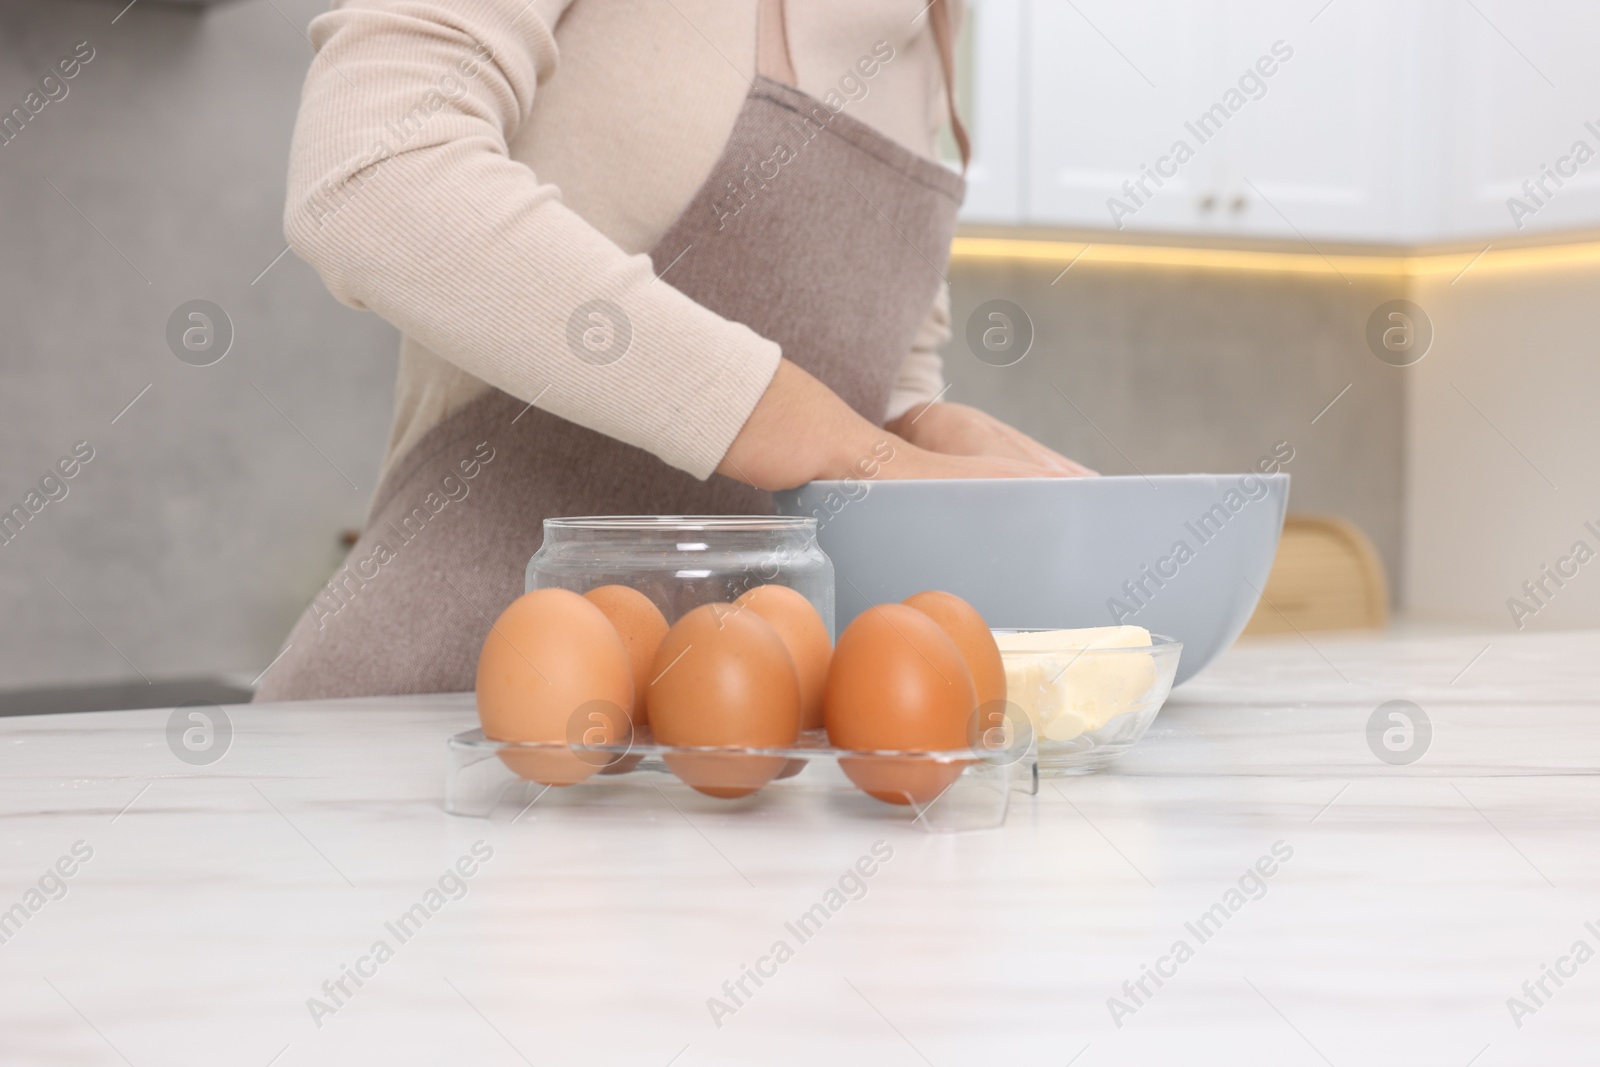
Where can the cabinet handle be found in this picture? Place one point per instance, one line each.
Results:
(1208, 204)
(1239, 204)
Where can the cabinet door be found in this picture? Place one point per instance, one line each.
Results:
(1524, 91)
(1320, 148)
(990, 92)
(1111, 84)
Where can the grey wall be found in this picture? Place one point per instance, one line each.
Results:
(1503, 435)
(205, 520)
(1181, 370)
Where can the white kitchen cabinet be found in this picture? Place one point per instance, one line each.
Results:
(1380, 122)
(993, 96)
(1320, 154)
(1110, 87)
(1257, 120)
(1524, 90)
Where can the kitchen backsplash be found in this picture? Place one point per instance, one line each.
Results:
(1166, 370)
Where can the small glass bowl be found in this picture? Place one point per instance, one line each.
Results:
(1088, 706)
(683, 561)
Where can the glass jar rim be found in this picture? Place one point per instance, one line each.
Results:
(779, 523)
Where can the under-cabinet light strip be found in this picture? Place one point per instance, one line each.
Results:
(966, 249)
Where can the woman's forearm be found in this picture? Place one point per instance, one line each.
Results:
(404, 197)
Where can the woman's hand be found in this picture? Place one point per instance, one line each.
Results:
(959, 430)
(800, 431)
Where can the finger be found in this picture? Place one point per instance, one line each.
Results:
(917, 463)
(1006, 467)
(1040, 453)
(1048, 456)
(1039, 462)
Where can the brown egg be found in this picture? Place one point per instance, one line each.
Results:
(962, 624)
(723, 678)
(552, 669)
(897, 682)
(641, 626)
(804, 634)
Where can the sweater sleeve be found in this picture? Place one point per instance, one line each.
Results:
(404, 197)
(921, 376)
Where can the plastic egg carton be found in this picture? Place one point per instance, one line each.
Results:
(966, 789)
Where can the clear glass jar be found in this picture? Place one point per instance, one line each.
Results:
(683, 561)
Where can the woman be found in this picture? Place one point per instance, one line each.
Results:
(649, 257)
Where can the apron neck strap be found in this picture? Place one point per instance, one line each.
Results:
(774, 61)
(944, 36)
(772, 43)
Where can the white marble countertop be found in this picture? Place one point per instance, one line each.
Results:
(216, 900)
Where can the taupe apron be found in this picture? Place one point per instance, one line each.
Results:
(837, 258)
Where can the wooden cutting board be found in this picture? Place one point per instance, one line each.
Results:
(1326, 576)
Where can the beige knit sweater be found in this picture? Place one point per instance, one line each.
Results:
(473, 170)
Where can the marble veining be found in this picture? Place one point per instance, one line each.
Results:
(215, 913)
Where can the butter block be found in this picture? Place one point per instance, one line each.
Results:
(1066, 687)
(1087, 637)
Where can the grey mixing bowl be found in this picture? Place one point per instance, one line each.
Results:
(1180, 554)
